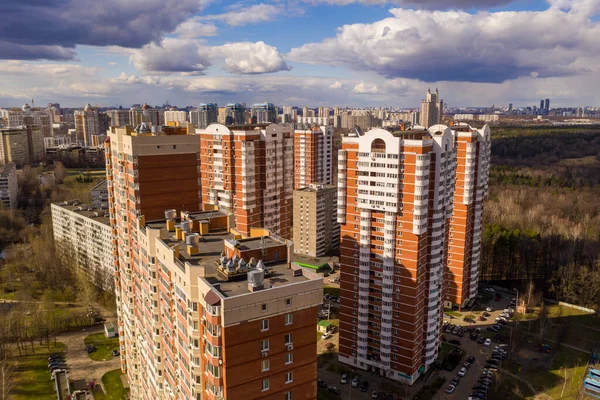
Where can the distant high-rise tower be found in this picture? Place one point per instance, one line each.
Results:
(87, 124)
(206, 114)
(510, 108)
(234, 114)
(432, 109)
(547, 106)
(542, 106)
(263, 113)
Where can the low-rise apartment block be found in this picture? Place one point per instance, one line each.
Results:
(100, 195)
(84, 231)
(8, 186)
(316, 230)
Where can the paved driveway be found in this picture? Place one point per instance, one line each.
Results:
(80, 364)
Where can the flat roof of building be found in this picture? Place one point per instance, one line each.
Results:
(210, 248)
(86, 210)
(315, 188)
(256, 243)
(278, 275)
(101, 186)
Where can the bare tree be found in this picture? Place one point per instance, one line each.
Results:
(60, 172)
(6, 381)
(543, 321)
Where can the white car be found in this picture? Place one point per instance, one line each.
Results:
(487, 342)
(326, 335)
(355, 382)
(462, 372)
(374, 394)
(450, 389)
(344, 379)
(489, 309)
(491, 290)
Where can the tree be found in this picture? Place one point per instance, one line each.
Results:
(86, 291)
(543, 321)
(6, 375)
(60, 172)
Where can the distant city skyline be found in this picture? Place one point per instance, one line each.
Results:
(307, 53)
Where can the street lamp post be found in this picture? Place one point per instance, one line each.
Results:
(517, 308)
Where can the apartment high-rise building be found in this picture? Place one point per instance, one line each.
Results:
(146, 174)
(146, 114)
(8, 186)
(88, 238)
(313, 162)
(21, 145)
(27, 115)
(206, 114)
(249, 172)
(87, 124)
(316, 230)
(323, 112)
(215, 316)
(234, 114)
(542, 106)
(175, 117)
(432, 109)
(395, 195)
(118, 118)
(510, 108)
(263, 113)
(464, 246)
(547, 106)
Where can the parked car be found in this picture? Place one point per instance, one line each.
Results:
(471, 359)
(355, 382)
(489, 309)
(325, 335)
(344, 379)
(90, 349)
(469, 320)
(364, 386)
(321, 383)
(481, 318)
(455, 381)
(480, 339)
(487, 342)
(450, 389)
(374, 394)
(462, 372)
(486, 314)
(116, 353)
(334, 389)
(491, 290)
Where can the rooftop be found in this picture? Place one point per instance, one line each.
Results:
(275, 275)
(101, 186)
(210, 249)
(315, 187)
(255, 243)
(86, 210)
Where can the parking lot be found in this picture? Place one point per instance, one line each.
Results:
(481, 352)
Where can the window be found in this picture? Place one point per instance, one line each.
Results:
(288, 301)
(289, 358)
(288, 338)
(264, 307)
(264, 325)
(288, 396)
(266, 364)
(265, 384)
(264, 346)
(289, 318)
(289, 377)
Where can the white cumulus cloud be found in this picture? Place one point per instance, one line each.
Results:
(250, 58)
(458, 46)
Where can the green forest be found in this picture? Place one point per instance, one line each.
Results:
(541, 218)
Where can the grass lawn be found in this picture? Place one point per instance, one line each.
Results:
(506, 387)
(575, 363)
(113, 386)
(446, 348)
(453, 313)
(333, 291)
(104, 346)
(31, 376)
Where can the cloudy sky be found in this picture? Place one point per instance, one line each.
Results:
(299, 52)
